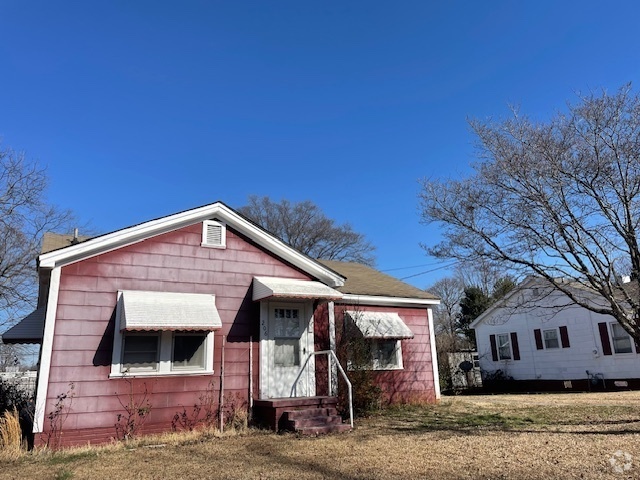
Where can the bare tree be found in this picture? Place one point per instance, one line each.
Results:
(560, 199)
(450, 290)
(307, 229)
(24, 217)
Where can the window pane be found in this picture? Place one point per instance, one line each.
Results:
(188, 351)
(287, 352)
(287, 323)
(621, 339)
(551, 339)
(384, 354)
(504, 347)
(140, 352)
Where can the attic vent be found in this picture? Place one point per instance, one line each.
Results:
(213, 234)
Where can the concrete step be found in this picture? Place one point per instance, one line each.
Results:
(309, 412)
(343, 427)
(313, 422)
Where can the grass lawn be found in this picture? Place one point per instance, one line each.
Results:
(568, 436)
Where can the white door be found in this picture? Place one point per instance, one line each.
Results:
(289, 342)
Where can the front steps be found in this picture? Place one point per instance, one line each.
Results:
(303, 415)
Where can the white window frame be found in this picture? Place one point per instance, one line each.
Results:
(142, 369)
(397, 365)
(613, 325)
(180, 368)
(557, 339)
(223, 234)
(508, 344)
(165, 354)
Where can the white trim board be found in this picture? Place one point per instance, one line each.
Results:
(219, 211)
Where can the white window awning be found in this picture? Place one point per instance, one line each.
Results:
(273, 287)
(380, 324)
(141, 311)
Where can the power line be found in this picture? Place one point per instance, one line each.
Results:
(408, 268)
(428, 271)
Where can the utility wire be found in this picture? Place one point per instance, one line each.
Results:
(429, 271)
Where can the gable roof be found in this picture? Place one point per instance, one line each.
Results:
(362, 280)
(55, 241)
(219, 211)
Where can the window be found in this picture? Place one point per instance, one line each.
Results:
(214, 234)
(386, 354)
(188, 351)
(621, 339)
(163, 333)
(551, 338)
(504, 346)
(140, 352)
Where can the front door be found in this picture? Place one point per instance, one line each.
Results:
(288, 344)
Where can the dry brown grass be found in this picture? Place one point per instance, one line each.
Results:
(10, 435)
(490, 437)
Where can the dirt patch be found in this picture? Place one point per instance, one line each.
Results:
(572, 436)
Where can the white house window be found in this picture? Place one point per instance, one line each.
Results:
(214, 234)
(188, 351)
(504, 346)
(386, 354)
(140, 352)
(164, 333)
(621, 339)
(551, 339)
(381, 333)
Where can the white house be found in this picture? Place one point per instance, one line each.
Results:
(539, 337)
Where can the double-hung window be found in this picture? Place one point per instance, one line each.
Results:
(504, 346)
(620, 339)
(551, 339)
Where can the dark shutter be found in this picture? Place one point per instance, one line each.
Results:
(537, 333)
(604, 338)
(494, 348)
(564, 337)
(514, 346)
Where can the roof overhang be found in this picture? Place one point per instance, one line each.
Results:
(28, 330)
(386, 325)
(145, 311)
(383, 301)
(219, 211)
(289, 288)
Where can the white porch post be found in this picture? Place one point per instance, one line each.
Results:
(332, 347)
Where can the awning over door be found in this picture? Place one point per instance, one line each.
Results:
(273, 287)
(28, 330)
(168, 311)
(380, 324)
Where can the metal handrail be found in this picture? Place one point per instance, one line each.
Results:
(330, 354)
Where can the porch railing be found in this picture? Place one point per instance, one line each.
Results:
(330, 356)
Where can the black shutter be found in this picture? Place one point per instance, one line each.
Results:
(494, 348)
(514, 346)
(564, 337)
(538, 334)
(604, 338)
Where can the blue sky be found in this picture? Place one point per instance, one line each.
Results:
(146, 108)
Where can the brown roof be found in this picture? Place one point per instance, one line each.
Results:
(55, 241)
(364, 280)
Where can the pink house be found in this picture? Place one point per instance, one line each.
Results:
(157, 306)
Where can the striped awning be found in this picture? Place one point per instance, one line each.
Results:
(141, 311)
(380, 324)
(274, 287)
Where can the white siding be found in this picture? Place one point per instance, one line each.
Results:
(585, 351)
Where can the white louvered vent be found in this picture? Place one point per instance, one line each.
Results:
(213, 234)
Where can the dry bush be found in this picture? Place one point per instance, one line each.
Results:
(10, 434)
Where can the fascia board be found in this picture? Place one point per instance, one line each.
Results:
(130, 235)
(387, 301)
